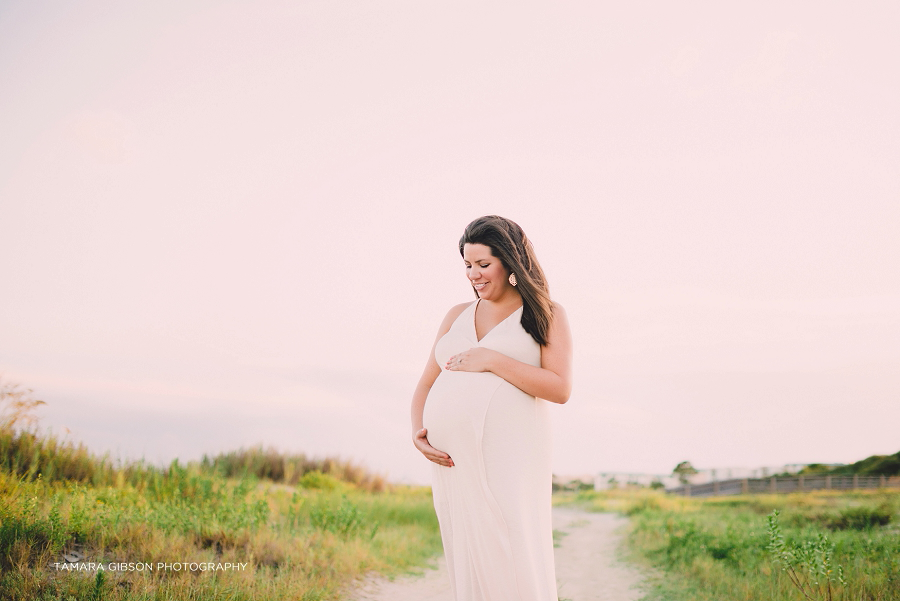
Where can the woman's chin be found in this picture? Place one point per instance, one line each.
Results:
(490, 293)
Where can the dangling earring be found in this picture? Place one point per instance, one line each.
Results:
(512, 279)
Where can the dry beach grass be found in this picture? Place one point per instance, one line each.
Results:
(323, 523)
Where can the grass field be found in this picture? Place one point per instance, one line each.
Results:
(833, 546)
(255, 524)
(301, 542)
(296, 544)
(246, 525)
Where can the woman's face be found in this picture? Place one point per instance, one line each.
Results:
(487, 274)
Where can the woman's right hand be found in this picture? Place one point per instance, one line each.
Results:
(431, 453)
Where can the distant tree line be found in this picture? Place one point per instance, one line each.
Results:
(876, 465)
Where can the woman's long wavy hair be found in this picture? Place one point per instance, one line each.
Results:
(508, 243)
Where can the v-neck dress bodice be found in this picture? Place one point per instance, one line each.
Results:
(507, 337)
(494, 504)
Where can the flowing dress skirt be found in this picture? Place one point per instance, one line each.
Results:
(494, 504)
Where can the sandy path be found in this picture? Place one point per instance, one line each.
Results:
(587, 568)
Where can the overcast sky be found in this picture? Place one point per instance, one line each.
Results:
(226, 224)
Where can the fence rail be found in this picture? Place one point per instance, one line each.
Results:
(740, 486)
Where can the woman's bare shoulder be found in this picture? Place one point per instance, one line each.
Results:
(560, 321)
(557, 308)
(456, 310)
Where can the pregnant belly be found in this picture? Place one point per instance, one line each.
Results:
(455, 409)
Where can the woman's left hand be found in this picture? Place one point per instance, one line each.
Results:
(475, 359)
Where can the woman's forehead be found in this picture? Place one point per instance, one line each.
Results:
(476, 252)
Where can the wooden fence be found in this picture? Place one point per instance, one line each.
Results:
(740, 486)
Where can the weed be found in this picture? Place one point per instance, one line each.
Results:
(344, 518)
(809, 565)
(558, 536)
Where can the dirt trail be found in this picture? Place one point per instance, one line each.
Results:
(587, 568)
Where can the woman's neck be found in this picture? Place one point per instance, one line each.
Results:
(507, 303)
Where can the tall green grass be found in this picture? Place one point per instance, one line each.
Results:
(304, 528)
(725, 549)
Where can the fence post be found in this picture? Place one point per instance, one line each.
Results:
(687, 490)
(800, 483)
(855, 481)
(772, 486)
(827, 482)
(745, 486)
(715, 487)
(882, 481)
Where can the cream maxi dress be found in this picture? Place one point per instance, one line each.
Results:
(494, 504)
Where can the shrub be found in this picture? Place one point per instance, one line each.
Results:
(319, 481)
(861, 518)
(344, 518)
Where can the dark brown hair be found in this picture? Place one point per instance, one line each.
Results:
(508, 243)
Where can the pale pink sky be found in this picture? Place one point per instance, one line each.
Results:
(231, 223)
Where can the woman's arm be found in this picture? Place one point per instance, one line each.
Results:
(429, 375)
(432, 371)
(551, 381)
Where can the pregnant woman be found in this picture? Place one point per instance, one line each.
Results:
(480, 414)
